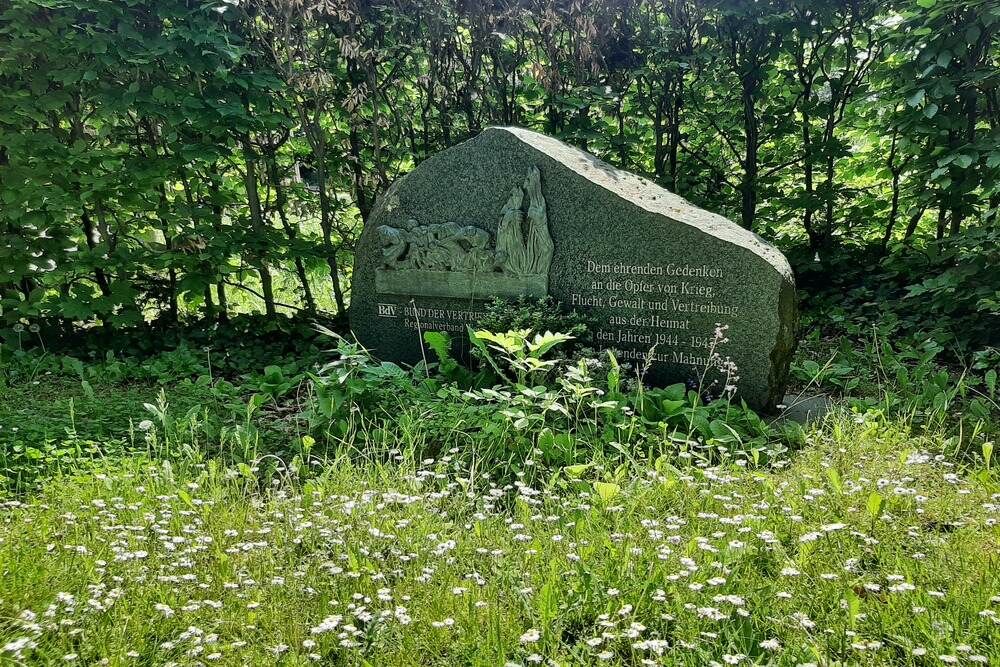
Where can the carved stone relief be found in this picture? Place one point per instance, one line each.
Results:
(450, 259)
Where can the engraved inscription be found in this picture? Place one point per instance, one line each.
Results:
(652, 311)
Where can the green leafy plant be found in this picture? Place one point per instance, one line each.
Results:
(440, 342)
(516, 355)
(536, 314)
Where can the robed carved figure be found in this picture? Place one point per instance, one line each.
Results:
(526, 243)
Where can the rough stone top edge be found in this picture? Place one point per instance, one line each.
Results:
(625, 185)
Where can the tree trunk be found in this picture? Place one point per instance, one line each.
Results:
(326, 223)
(750, 163)
(88, 231)
(622, 146)
(675, 136)
(911, 227)
(257, 222)
(807, 173)
(216, 197)
(830, 179)
(209, 304)
(220, 292)
(960, 209)
(893, 213)
(360, 196)
(173, 310)
(77, 134)
(280, 202)
(659, 131)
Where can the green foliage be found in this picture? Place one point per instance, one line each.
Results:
(525, 399)
(23, 464)
(448, 366)
(354, 382)
(945, 290)
(182, 161)
(117, 125)
(164, 354)
(516, 355)
(916, 382)
(961, 289)
(544, 314)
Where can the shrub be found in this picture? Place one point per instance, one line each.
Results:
(538, 315)
(946, 290)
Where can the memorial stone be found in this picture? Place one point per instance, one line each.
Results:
(514, 212)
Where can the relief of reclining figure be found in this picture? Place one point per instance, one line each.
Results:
(523, 246)
(438, 247)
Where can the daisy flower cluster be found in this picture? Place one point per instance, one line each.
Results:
(860, 556)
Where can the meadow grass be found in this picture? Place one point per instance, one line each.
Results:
(869, 547)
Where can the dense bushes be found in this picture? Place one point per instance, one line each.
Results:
(229, 348)
(947, 291)
(196, 159)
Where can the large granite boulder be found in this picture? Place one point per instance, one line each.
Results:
(514, 212)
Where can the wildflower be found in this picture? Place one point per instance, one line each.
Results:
(164, 609)
(145, 425)
(530, 637)
(328, 624)
(657, 646)
(770, 645)
(712, 613)
(804, 620)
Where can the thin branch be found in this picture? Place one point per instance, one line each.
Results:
(709, 165)
(259, 295)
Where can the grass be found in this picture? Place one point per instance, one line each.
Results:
(54, 405)
(55, 423)
(176, 523)
(869, 547)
